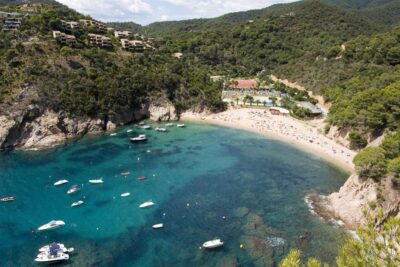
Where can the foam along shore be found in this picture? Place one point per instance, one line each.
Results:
(302, 134)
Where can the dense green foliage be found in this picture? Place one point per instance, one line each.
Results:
(275, 38)
(382, 11)
(378, 245)
(374, 162)
(357, 141)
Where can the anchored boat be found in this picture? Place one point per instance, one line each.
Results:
(158, 226)
(216, 243)
(51, 225)
(78, 203)
(74, 189)
(146, 204)
(56, 246)
(7, 199)
(139, 138)
(96, 181)
(60, 182)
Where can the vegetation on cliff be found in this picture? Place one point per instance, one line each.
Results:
(377, 162)
(377, 245)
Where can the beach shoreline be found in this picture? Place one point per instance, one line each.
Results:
(286, 129)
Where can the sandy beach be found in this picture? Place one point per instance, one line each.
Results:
(302, 134)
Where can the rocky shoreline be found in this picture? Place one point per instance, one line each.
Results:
(34, 128)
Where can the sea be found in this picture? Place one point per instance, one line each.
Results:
(206, 182)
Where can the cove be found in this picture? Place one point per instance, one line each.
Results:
(206, 181)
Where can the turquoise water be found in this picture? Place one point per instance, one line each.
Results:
(206, 181)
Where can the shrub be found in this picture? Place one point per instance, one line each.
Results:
(357, 141)
(370, 163)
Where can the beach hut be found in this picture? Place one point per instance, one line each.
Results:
(279, 111)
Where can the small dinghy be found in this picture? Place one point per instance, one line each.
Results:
(146, 127)
(125, 173)
(158, 226)
(169, 125)
(60, 182)
(216, 243)
(125, 194)
(113, 134)
(180, 125)
(158, 129)
(56, 246)
(146, 204)
(142, 178)
(140, 138)
(78, 203)
(129, 131)
(73, 190)
(96, 181)
(51, 225)
(7, 199)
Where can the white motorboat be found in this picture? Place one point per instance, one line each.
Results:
(96, 181)
(169, 124)
(51, 225)
(180, 125)
(139, 138)
(113, 134)
(56, 246)
(216, 243)
(74, 189)
(7, 199)
(146, 127)
(125, 194)
(129, 131)
(158, 226)
(78, 203)
(60, 182)
(52, 256)
(146, 204)
(159, 129)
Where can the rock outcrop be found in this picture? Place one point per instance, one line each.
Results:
(356, 195)
(164, 111)
(34, 128)
(352, 198)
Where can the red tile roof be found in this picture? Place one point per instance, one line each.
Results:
(243, 84)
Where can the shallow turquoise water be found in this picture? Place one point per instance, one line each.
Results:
(195, 175)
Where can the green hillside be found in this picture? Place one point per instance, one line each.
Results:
(287, 33)
(86, 80)
(382, 11)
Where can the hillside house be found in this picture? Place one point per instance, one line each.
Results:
(99, 26)
(122, 34)
(279, 111)
(64, 38)
(135, 45)
(99, 40)
(30, 7)
(70, 25)
(12, 24)
(3, 15)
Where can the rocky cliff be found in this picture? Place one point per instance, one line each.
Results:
(34, 127)
(357, 195)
